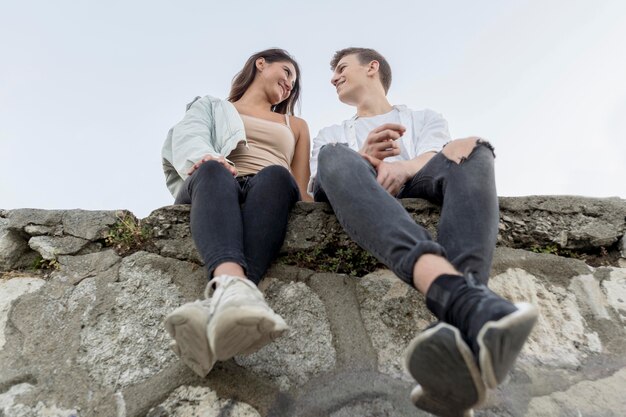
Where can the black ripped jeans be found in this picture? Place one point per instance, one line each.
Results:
(241, 220)
(374, 219)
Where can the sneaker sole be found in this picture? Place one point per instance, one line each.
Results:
(450, 384)
(501, 341)
(191, 344)
(243, 331)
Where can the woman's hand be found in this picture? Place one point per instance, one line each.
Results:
(219, 159)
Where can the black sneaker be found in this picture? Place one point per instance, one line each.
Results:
(449, 381)
(495, 329)
(501, 341)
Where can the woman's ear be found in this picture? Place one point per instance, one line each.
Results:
(260, 64)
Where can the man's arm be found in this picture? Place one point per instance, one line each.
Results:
(393, 175)
(428, 141)
(381, 142)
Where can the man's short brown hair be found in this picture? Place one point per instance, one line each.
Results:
(365, 56)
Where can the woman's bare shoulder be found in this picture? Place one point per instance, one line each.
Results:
(298, 123)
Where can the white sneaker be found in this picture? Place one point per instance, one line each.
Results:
(241, 322)
(187, 326)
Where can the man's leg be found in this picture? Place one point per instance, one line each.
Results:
(370, 215)
(464, 185)
(477, 326)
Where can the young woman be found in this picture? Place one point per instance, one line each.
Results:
(241, 163)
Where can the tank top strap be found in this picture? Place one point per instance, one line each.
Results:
(287, 120)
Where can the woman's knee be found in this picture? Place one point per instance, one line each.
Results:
(277, 176)
(211, 175)
(211, 169)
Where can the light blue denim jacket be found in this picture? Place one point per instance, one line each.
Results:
(211, 126)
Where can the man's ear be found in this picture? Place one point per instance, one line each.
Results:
(372, 67)
(260, 64)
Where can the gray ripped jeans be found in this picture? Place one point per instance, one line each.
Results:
(374, 219)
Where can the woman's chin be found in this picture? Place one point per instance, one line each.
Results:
(278, 101)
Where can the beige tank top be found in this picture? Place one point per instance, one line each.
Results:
(269, 143)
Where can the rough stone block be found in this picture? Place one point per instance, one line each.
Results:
(14, 250)
(50, 247)
(89, 225)
(307, 349)
(11, 290)
(393, 313)
(188, 401)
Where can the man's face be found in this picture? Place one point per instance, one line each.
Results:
(349, 79)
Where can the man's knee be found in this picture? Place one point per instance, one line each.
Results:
(330, 152)
(459, 150)
(337, 159)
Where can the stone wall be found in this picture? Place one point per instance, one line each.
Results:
(83, 296)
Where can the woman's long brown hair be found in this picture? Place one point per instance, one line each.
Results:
(243, 79)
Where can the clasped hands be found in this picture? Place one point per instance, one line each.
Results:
(380, 144)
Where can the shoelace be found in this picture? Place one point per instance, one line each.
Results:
(221, 289)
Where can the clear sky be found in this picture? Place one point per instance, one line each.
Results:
(89, 89)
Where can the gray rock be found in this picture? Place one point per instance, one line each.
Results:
(50, 247)
(39, 230)
(615, 289)
(393, 313)
(306, 350)
(553, 269)
(376, 407)
(14, 250)
(587, 290)
(11, 407)
(188, 401)
(20, 218)
(74, 269)
(561, 338)
(602, 398)
(89, 339)
(562, 223)
(42, 346)
(181, 249)
(576, 223)
(11, 290)
(127, 342)
(90, 225)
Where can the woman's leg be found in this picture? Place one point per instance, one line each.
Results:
(236, 319)
(216, 224)
(268, 198)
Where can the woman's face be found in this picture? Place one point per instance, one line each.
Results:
(278, 79)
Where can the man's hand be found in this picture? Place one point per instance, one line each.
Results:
(391, 175)
(381, 142)
(220, 159)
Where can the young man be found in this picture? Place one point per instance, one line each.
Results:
(386, 152)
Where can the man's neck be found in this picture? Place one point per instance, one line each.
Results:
(373, 106)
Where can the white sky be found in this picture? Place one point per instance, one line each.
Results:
(89, 89)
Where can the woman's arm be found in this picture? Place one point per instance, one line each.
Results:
(300, 162)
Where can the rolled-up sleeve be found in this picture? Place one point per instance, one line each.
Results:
(192, 137)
